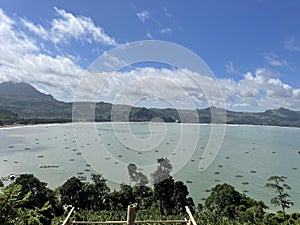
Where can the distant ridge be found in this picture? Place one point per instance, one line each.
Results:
(12, 89)
(33, 106)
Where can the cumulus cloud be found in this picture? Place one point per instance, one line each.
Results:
(153, 87)
(68, 26)
(22, 58)
(274, 60)
(259, 91)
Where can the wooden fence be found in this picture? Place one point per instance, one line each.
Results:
(131, 219)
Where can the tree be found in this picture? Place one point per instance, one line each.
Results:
(10, 201)
(122, 198)
(164, 186)
(225, 201)
(97, 193)
(132, 172)
(39, 197)
(180, 197)
(40, 194)
(71, 193)
(282, 198)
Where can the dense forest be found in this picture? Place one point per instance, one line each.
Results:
(27, 200)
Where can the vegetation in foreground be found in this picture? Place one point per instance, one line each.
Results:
(28, 201)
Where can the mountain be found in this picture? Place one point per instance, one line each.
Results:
(31, 106)
(27, 102)
(11, 89)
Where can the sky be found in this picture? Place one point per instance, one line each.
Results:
(251, 46)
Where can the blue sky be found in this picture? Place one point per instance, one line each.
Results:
(252, 46)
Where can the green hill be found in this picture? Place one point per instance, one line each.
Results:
(35, 107)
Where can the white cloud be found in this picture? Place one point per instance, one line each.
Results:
(166, 30)
(292, 44)
(230, 69)
(37, 29)
(274, 60)
(21, 60)
(154, 87)
(167, 12)
(259, 91)
(148, 35)
(68, 26)
(143, 15)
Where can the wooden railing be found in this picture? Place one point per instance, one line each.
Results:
(131, 212)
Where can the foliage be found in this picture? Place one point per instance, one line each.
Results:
(225, 201)
(71, 193)
(29, 201)
(282, 198)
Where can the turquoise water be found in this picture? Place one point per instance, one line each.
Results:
(247, 157)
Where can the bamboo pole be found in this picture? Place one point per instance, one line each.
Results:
(67, 220)
(191, 220)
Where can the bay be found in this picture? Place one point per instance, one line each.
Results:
(247, 157)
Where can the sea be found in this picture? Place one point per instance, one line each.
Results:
(202, 155)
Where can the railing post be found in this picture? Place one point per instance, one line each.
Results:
(131, 214)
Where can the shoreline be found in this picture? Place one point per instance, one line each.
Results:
(16, 126)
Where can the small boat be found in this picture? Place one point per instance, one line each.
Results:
(72, 160)
(11, 146)
(27, 148)
(189, 181)
(238, 176)
(40, 156)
